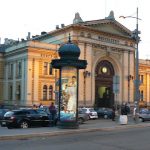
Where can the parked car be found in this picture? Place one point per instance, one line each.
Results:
(2, 112)
(82, 117)
(103, 112)
(25, 118)
(91, 113)
(144, 115)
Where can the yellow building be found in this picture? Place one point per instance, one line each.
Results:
(28, 76)
(109, 50)
(144, 74)
(108, 79)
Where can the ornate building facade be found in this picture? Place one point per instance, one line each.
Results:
(27, 78)
(27, 74)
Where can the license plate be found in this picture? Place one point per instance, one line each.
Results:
(3, 123)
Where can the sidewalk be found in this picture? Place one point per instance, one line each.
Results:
(89, 126)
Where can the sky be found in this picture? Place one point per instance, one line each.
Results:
(18, 17)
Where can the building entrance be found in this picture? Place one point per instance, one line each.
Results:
(104, 96)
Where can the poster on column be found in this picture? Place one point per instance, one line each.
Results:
(69, 93)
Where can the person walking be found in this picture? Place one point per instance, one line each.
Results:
(52, 110)
(41, 105)
(134, 113)
(113, 113)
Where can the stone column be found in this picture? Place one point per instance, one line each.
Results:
(14, 82)
(35, 80)
(6, 73)
(22, 81)
(148, 88)
(88, 79)
(29, 82)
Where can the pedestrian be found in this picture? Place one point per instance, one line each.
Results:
(134, 113)
(52, 110)
(124, 109)
(113, 113)
(34, 106)
(41, 105)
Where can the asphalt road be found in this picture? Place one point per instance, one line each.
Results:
(122, 139)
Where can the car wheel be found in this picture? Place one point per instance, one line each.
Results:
(80, 120)
(24, 124)
(9, 127)
(105, 116)
(141, 120)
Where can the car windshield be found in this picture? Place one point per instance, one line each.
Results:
(84, 110)
(9, 113)
(91, 110)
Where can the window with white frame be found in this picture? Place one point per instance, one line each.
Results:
(45, 71)
(18, 92)
(45, 92)
(10, 70)
(18, 69)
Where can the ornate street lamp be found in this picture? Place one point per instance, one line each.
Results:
(135, 36)
(68, 66)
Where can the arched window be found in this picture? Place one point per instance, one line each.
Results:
(50, 92)
(45, 92)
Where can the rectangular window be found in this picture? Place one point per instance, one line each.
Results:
(45, 68)
(10, 92)
(18, 69)
(142, 96)
(18, 92)
(50, 69)
(10, 70)
(142, 78)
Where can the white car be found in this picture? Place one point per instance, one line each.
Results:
(91, 113)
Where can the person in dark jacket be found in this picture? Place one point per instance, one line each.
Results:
(124, 109)
(53, 112)
(113, 113)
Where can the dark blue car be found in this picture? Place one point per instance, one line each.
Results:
(103, 112)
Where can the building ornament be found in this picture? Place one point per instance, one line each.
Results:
(47, 56)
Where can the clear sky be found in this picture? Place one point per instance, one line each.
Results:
(18, 17)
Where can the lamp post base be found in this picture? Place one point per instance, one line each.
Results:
(68, 125)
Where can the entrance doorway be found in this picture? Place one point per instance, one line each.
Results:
(104, 96)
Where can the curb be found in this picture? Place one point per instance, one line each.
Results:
(72, 131)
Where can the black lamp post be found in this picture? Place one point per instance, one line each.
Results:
(68, 66)
(135, 36)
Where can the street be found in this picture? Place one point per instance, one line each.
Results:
(126, 139)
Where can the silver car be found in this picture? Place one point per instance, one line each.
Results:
(91, 113)
(144, 115)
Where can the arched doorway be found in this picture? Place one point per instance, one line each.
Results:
(104, 96)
